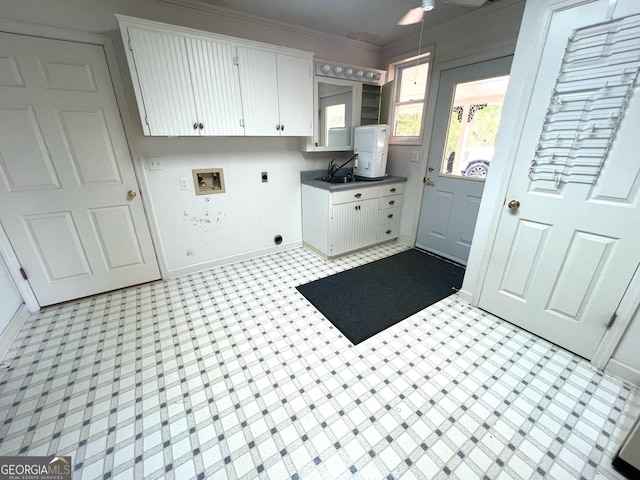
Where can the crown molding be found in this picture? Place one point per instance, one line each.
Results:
(277, 24)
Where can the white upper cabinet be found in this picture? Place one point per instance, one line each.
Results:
(216, 87)
(164, 88)
(193, 83)
(295, 95)
(277, 93)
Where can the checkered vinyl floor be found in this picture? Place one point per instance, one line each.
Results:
(231, 374)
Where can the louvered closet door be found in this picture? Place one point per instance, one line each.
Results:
(163, 73)
(216, 86)
(258, 78)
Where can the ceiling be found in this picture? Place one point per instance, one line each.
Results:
(370, 21)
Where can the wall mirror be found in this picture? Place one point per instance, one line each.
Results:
(345, 96)
(336, 103)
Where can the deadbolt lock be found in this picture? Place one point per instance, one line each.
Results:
(430, 169)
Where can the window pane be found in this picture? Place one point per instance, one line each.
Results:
(408, 120)
(413, 83)
(473, 126)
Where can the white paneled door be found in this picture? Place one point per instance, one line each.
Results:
(566, 247)
(68, 192)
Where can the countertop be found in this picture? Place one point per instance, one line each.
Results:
(310, 177)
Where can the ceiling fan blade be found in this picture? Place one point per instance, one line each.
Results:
(412, 16)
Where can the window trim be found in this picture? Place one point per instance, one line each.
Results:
(394, 70)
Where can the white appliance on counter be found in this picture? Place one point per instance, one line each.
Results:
(371, 144)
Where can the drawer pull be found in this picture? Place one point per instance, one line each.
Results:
(358, 195)
(392, 190)
(391, 202)
(388, 232)
(390, 215)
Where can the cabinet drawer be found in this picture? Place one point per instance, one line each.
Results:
(391, 189)
(354, 195)
(389, 215)
(388, 232)
(391, 201)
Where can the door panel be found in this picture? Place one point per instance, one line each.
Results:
(450, 200)
(89, 143)
(163, 72)
(66, 172)
(25, 161)
(295, 96)
(217, 87)
(258, 77)
(562, 261)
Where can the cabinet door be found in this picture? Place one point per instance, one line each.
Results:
(216, 86)
(295, 95)
(162, 72)
(258, 80)
(354, 225)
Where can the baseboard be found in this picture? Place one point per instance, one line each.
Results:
(10, 332)
(623, 371)
(465, 296)
(198, 267)
(405, 241)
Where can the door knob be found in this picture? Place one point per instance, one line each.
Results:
(428, 181)
(513, 204)
(131, 194)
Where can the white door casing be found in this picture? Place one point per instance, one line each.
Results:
(65, 172)
(562, 261)
(450, 205)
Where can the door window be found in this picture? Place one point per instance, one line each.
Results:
(473, 126)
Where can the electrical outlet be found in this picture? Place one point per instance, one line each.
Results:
(265, 177)
(184, 183)
(155, 163)
(414, 156)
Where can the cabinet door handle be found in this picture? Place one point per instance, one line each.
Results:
(282, 128)
(388, 232)
(392, 190)
(391, 202)
(358, 195)
(195, 126)
(390, 215)
(278, 127)
(200, 126)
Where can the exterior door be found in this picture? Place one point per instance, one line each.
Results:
(568, 239)
(68, 192)
(467, 116)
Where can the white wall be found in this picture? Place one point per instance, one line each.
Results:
(483, 34)
(195, 232)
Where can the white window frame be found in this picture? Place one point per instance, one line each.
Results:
(395, 70)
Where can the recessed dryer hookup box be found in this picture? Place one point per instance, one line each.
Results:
(208, 180)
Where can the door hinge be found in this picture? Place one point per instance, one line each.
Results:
(146, 120)
(235, 62)
(242, 122)
(23, 273)
(130, 45)
(611, 320)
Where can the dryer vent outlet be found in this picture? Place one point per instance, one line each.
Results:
(278, 239)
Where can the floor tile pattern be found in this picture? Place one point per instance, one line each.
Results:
(231, 374)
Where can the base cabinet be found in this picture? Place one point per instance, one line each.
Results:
(335, 223)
